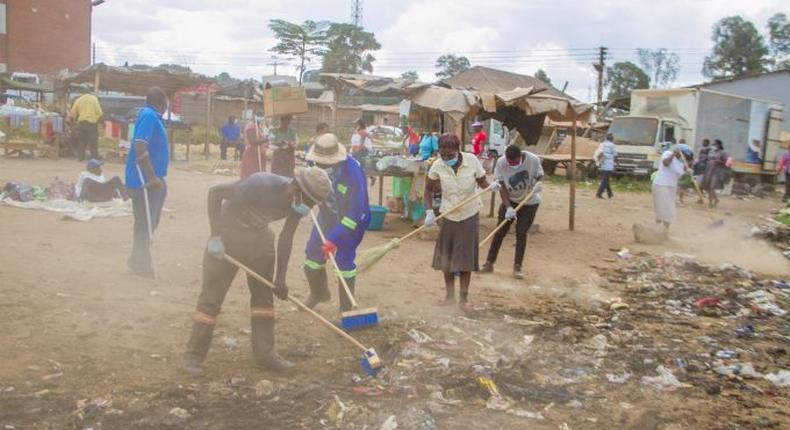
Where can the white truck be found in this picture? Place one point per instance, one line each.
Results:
(749, 128)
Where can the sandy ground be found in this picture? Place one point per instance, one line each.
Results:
(70, 310)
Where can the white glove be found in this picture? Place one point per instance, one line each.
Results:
(495, 186)
(215, 247)
(537, 188)
(430, 218)
(510, 213)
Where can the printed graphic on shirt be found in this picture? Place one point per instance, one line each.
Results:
(519, 181)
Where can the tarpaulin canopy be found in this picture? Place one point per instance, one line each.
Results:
(371, 84)
(556, 108)
(455, 103)
(495, 81)
(136, 81)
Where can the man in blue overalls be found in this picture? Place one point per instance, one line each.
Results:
(343, 217)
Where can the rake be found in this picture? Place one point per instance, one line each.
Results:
(370, 362)
(367, 258)
(356, 318)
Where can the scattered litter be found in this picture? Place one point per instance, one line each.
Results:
(745, 370)
(231, 343)
(625, 254)
(665, 381)
(617, 378)
(525, 414)
(264, 388)
(726, 353)
(745, 331)
(237, 381)
(180, 413)
(42, 393)
(763, 303)
(617, 304)
(389, 424)
(707, 302)
(419, 336)
(780, 378)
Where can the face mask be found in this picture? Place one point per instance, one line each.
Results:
(301, 208)
(513, 164)
(451, 163)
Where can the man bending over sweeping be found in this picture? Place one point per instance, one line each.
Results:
(344, 216)
(239, 214)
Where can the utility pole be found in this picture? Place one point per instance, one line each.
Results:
(93, 61)
(599, 67)
(274, 63)
(356, 12)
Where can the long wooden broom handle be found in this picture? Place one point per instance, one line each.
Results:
(444, 214)
(296, 302)
(260, 163)
(693, 181)
(334, 263)
(505, 221)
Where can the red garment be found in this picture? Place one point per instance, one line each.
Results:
(414, 138)
(478, 142)
(253, 143)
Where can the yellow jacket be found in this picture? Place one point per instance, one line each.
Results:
(86, 108)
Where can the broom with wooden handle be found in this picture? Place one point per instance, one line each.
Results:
(367, 258)
(370, 363)
(505, 221)
(356, 318)
(693, 181)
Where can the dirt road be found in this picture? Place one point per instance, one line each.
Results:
(85, 345)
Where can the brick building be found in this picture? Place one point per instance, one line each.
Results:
(44, 36)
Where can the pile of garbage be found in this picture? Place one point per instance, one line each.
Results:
(776, 233)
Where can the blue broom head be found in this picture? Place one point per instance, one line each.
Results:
(371, 363)
(359, 319)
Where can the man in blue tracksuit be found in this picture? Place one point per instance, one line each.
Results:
(344, 217)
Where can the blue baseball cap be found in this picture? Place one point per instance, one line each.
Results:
(93, 163)
(685, 148)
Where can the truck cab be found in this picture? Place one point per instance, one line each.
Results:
(639, 140)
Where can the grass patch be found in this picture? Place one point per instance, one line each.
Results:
(621, 184)
(783, 218)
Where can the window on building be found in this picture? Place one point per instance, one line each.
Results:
(2, 18)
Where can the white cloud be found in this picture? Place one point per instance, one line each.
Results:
(517, 35)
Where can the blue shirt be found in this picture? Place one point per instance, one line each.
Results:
(231, 132)
(428, 145)
(609, 152)
(150, 130)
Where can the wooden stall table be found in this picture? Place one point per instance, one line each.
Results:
(552, 161)
(381, 175)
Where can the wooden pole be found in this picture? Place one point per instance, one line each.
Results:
(96, 80)
(208, 123)
(572, 208)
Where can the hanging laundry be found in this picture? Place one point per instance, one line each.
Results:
(34, 124)
(16, 120)
(57, 124)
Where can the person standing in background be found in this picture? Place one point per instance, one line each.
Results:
(606, 154)
(479, 140)
(86, 112)
(146, 169)
(429, 144)
(715, 172)
(784, 168)
(231, 134)
(253, 159)
(284, 141)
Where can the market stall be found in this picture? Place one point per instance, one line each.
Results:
(30, 127)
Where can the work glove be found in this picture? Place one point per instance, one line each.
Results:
(495, 186)
(510, 213)
(215, 247)
(329, 248)
(281, 290)
(430, 218)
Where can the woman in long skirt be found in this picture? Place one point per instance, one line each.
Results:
(458, 174)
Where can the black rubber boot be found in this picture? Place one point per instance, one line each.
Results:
(263, 346)
(319, 291)
(345, 303)
(197, 349)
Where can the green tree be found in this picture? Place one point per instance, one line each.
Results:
(624, 77)
(543, 76)
(348, 49)
(779, 41)
(450, 65)
(739, 50)
(175, 68)
(410, 75)
(661, 65)
(303, 41)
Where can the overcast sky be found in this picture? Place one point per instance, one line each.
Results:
(212, 36)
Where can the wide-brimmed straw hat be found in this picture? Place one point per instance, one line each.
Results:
(314, 182)
(326, 150)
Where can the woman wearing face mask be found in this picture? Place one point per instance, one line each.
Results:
(459, 174)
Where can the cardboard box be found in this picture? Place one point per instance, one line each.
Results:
(282, 101)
